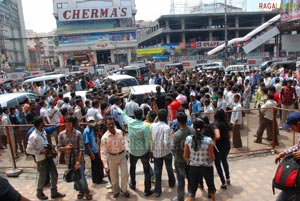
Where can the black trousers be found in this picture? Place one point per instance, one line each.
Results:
(146, 166)
(97, 169)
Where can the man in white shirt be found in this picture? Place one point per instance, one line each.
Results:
(53, 113)
(266, 121)
(45, 164)
(236, 120)
(44, 112)
(131, 106)
(94, 111)
(162, 150)
(151, 80)
(209, 111)
(221, 104)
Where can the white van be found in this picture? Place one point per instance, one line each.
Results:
(237, 68)
(125, 81)
(59, 78)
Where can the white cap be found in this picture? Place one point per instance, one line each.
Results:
(90, 119)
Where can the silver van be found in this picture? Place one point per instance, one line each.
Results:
(15, 99)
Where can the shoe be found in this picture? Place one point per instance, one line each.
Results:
(126, 195)
(228, 182)
(58, 195)
(133, 187)
(224, 186)
(109, 186)
(157, 195)
(148, 193)
(116, 195)
(257, 141)
(41, 196)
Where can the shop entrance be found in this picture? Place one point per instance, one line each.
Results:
(103, 57)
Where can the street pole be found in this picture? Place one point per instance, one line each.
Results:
(225, 35)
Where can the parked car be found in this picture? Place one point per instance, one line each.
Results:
(290, 65)
(125, 81)
(58, 78)
(237, 68)
(263, 66)
(15, 99)
(142, 73)
(142, 91)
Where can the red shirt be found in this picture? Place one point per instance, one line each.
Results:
(277, 98)
(287, 96)
(174, 106)
(62, 121)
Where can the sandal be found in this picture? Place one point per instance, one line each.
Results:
(88, 196)
(80, 195)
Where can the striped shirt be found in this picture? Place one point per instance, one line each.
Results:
(296, 147)
(161, 139)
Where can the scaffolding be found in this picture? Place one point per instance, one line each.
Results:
(206, 6)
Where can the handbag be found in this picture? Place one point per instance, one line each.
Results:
(287, 175)
(71, 174)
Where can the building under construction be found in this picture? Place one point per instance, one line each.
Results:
(206, 6)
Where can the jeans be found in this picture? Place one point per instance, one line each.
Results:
(146, 166)
(182, 172)
(81, 185)
(196, 172)
(158, 162)
(221, 157)
(97, 169)
(44, 168)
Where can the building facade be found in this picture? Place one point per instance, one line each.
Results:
(42, 50)
(95, 31)
(196, 34)
(13, 48)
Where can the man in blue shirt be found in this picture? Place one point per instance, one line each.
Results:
(92, 150)
(195, 105)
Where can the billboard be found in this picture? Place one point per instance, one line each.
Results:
(75, 14)
(93, 24)
(290, 10)
(96, 37)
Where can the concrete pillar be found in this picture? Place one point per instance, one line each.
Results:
(168, 38)
(129, 55)
(262, 19)
(182, 24)
(210, 36)
(183, 37)
(167, 24)
(162, 39)
(112, 56)
(237, 34)
(209, 22)
(236, 21)
(61, 60)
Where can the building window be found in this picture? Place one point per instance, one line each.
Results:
(62, 5)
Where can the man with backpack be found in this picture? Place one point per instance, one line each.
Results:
(293, 122)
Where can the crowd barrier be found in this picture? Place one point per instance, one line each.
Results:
(248, 130)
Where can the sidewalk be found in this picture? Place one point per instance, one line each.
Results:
(251, 178)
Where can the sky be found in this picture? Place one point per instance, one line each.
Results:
(38, 14)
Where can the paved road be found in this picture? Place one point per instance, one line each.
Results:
(250, 175)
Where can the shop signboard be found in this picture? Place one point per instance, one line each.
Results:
(96, 38)
(75, 14)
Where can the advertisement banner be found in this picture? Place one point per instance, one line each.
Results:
(75, 14)
(290, 10)
(96, 37)
(205, 44)
(93, 24)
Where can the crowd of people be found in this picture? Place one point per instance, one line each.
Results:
(192, 123)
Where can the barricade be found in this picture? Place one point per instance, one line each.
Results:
(248, 130)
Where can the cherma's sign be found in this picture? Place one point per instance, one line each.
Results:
(94, 13)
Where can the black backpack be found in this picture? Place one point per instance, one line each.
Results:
(287, 175)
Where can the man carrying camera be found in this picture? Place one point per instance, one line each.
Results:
(44, 153)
